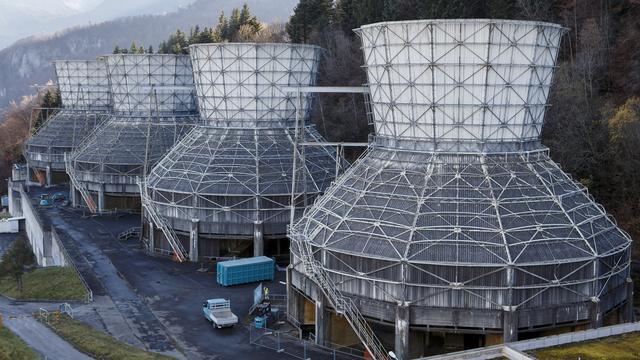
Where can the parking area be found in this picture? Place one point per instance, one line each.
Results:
(160, 300)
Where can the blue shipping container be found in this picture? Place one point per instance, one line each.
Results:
(242, 271)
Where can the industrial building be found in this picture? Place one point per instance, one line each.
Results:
(225, 189)
(455, 229)
(85, 97)
(153, 106)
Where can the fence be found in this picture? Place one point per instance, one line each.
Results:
(72, 264)
(515, 350)
(285, 342)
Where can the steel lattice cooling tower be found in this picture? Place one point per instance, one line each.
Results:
(154, 105)
(456, 219)
(85, 95)
(229, 180)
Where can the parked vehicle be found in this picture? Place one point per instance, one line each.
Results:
(218, 312)
(45, 200)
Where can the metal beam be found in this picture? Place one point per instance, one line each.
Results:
(327, 89)
(327, 143)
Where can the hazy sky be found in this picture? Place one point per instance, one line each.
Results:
(22, 18)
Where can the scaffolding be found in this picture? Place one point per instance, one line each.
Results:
(85, 97)
(154, 106)
(455, 217)
(232, 175)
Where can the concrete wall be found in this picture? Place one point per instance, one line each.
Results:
(44, 242)
(10, 226)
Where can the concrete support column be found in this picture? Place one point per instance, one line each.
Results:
(509, 324)
(627, 311)
(403, 319)
(73, 193)
(323, 319)
(258, 239)
(12, 205)
(101, 198)
(152, 237)
(596, 313)
(47, 172)
(193, 241)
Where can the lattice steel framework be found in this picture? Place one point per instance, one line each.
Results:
(154, 105)
(233, 173)
(85, 95)
(456, 208)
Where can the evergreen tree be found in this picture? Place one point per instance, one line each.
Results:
(133, 48)
(16, 260)
(150, 50)
(308, 17)
(116, 50)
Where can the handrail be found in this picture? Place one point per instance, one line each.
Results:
(180, 253)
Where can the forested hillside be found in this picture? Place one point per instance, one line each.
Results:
(593, 125)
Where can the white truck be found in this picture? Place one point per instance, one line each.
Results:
(218, 312)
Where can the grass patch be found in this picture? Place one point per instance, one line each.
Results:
(614, 347)
(13, 348)
(51, 283)
(96, 343)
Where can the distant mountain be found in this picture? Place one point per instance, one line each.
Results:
(28, 61)
(19, 19)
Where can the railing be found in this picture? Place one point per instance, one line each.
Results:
(285, 342)
(75, 184)
(180, 253)
(65, 308)
(130, 233)
(69, 260)
(343, 305)
(43, 315)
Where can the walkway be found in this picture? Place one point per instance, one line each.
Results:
(17, 317)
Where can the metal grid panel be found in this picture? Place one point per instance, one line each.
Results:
(236, 176)
(235, 170)
(154, 105)
(242, 84)
(59, 135)
(141, 84)
(441, 211)
(86, 97)
(83, 84)
(462, 82)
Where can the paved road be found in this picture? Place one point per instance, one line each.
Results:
(17, 317)
(155, 302)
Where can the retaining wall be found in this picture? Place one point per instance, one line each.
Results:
(44, 242)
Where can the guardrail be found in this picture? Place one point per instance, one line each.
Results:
(284, 342)
(72, 264)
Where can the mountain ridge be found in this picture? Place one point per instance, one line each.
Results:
(28, 61)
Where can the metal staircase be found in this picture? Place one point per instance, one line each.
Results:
(181, 254)
(342, 304)
(76, 184)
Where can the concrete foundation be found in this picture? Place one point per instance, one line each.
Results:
(510, 324)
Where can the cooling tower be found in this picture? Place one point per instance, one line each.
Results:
(84, 91)
(227, 184)
(455, 220)
(154, 106)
